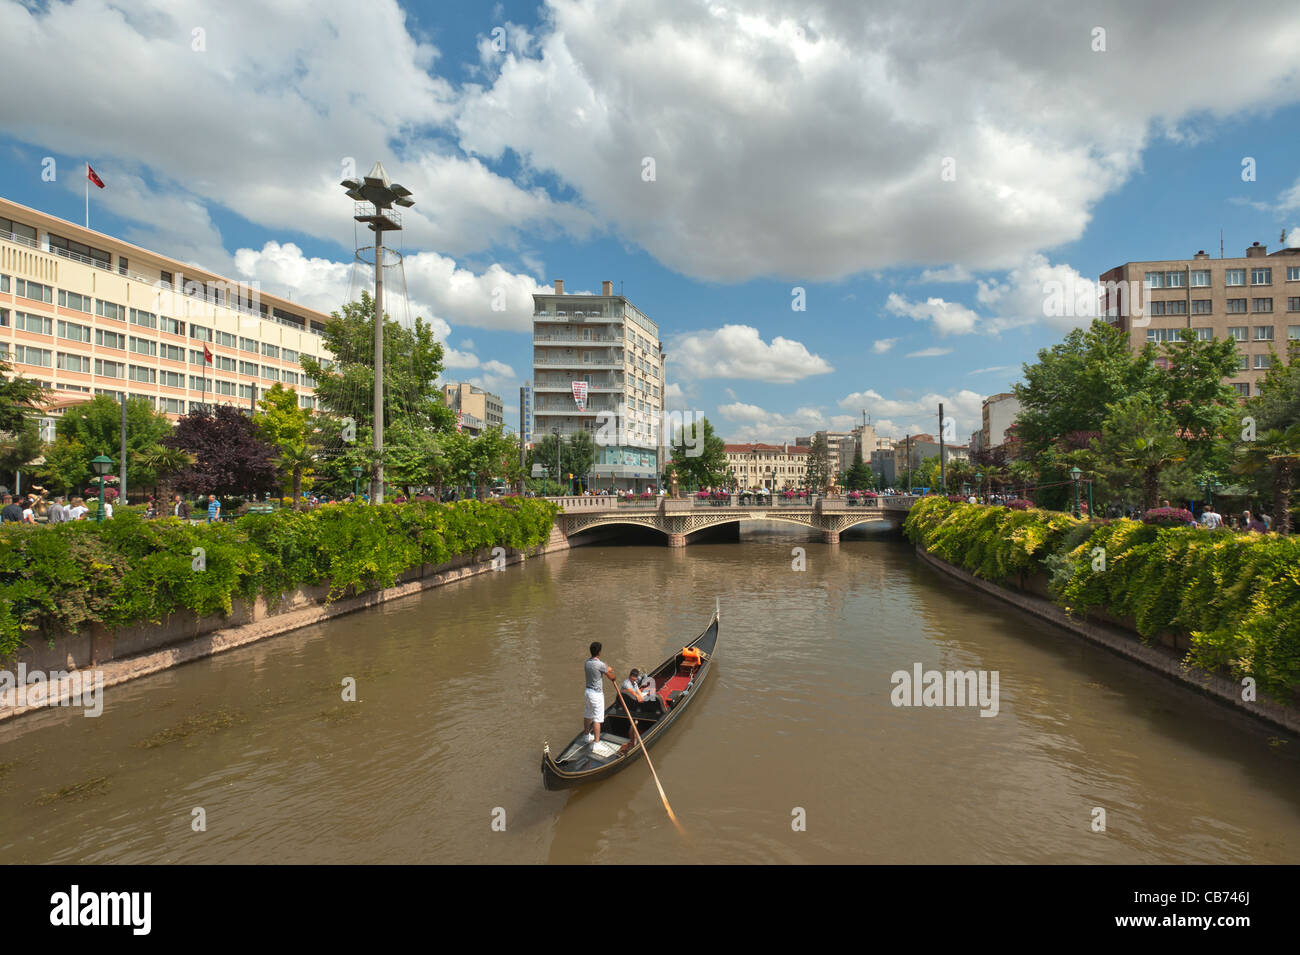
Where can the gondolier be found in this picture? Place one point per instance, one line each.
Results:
(594, 712)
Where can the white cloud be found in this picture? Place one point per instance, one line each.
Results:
(952, 273)
(896, 417)
(882, 345)
(737, 351)
(840, 119)
(947, 317)
(929, 353)
(749, 423)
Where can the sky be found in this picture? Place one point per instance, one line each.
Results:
(828, 207)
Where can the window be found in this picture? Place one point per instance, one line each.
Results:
(196, 357)
(1202, 335)
(106, 339)
(200, 333)
(1201, 278)
(272, 374)
(1172, 280)
(1238, 332)
(78, 303)
(109, 310)
(34, 290)
(1263, 333)
(4, 317)
(1293, 332)
(1293, 303)
(199, 383)
(306, 401)
(171, 406)
(63, 386)
(289, 377)
(1261, 305)
(4, 283)
(1164, 308)
(143, 319)
(112, 394)
(109, 369)
(75, 363)
(248, 391)
(224, 363)
(227, 339)
(224, 388)
(308, 381)
(16, 230)
(26, 355)
(1242, 388)
(1236, 306)
(1234, 277)
(248, 344)
(74, 333)
(171, 379)
(80, 252)
(1263, 362)
(171, 325)
(1261, 276)
(1154, 280)
(143, 346)
(38, 324)
(288, 354)
(166, 278)
(1200, 306)
(141, 373)
(172, 352)
(270, 351)
(248, 368)
(121, 265)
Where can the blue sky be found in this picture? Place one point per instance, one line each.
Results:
(919, 172)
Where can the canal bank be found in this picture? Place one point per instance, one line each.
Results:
(1163, 658)
(138, 651)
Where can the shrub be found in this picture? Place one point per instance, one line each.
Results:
(129, 570)
(1168, 517)
(1019, 504)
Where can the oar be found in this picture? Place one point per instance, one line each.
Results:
(637, 735)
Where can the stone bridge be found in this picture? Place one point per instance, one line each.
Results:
(677, 519)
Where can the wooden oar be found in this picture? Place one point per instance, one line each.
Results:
(637, 735)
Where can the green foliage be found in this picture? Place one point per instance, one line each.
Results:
(1236, 595)
(698, 456)
(97, 425)
(129, 570)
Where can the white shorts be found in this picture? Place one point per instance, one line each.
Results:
(595, 709)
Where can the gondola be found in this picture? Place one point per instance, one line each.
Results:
(677, 682)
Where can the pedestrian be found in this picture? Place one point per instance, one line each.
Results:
(214, 508)
(594, 697)
(11, 513)
(78, 510)
(57, 514)
(29, 511)
(180, 507)
(108, 509)
(1211, 519)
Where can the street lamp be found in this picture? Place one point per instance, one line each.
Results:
(979, 488)
(1075, 474)
(1211, 482)
(556, 431)
(102, 466)
(381, 193)
(356, 486)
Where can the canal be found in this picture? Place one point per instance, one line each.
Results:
(457, 689)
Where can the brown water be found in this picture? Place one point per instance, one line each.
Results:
(459, 687)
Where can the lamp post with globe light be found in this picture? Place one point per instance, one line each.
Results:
(101, 465)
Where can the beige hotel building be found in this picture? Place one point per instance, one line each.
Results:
(1254, 300)
(87, 314)
(776, 467)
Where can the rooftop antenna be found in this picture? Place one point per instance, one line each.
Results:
(1220, 243)
(620, 288)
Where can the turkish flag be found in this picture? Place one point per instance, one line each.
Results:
(207, 355)
(91, 175)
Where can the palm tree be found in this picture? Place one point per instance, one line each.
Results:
(296, 457)
(1279, 450)
(960, 472)
(1023, 474)
(163, 462)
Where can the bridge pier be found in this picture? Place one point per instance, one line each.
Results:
(676, 540)
(830, 537)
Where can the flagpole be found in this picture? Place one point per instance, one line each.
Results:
(87, 196)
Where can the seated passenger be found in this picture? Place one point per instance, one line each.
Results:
(639, 687)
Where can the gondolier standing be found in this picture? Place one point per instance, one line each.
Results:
(594, 712)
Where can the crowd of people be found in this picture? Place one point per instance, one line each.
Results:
(30, 509)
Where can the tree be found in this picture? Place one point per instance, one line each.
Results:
(819, 464)
(859, 477)
(20, 399)
(579, 454)
(230, 457)
(1278, 451)
(66, 466)
(97, 425)
(1277, 402)
(1138, 438)
(703, 459)
(164, 462)
(287, 427)
(1201, 403)
(412, 363)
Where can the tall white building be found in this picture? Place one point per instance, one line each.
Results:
(609, 346)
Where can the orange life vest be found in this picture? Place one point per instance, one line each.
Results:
(691, 657)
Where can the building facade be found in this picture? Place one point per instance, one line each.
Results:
(612, 349)
(1253, 300)
(86, 314)
(777, 467)
(485, 408)
(999, 413)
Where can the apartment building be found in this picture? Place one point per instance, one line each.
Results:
(486, 408)
(87, 314)
(999, 413)
(776, 467)
(1253, 300)
(611, 350)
